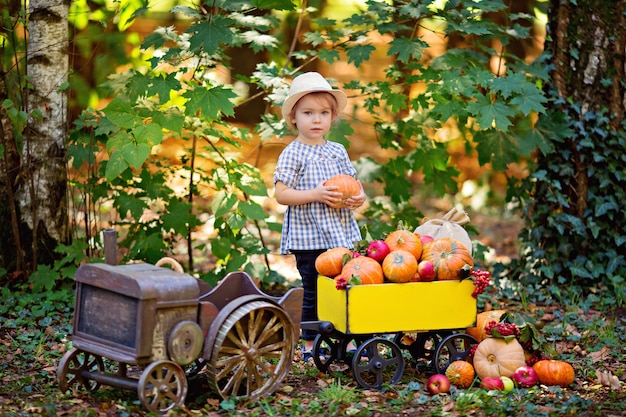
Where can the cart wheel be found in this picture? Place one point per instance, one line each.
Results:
(252, 351)
(162, 386)
(455, 347)
(377, 361)
(71, 368)
(423, 345)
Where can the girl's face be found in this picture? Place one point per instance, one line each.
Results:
(313, 116)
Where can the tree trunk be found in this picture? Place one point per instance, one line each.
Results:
(588, 42)
(42, 192)
(575, 221)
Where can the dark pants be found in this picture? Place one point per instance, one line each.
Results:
(305, 262)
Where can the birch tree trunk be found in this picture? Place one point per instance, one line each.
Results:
(42, 193)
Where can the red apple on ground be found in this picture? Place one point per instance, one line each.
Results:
(508, 383)
(377, 250)
(492, 383)
(425, 239)
(426, 271)
(525, 376)
(438, 384)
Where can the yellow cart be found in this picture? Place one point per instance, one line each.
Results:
(385, 319)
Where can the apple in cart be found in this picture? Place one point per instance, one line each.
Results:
(377, 250)
(426, 271)
(492, 383)
(438, 384)
(508, 383)
(525, 376)
(425, 239)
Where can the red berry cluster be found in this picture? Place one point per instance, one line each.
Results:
(341, 283)
(472, 352)
(481, 281)
(505, 329)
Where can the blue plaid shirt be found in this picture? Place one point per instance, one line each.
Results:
(315, 225)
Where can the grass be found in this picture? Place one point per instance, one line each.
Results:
(35, 331)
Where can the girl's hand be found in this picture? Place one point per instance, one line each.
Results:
(357, 200)
(327, 194)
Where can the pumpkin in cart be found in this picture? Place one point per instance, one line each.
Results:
(405, 240)
(495, 357)
(554, 372)
(346, 185)
(451, 258)
(478, 332)
(331, 262)
(399, 266)
(460, 373)
(366, 268)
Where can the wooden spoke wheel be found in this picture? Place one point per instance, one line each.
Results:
(377, 361)
(162, 386)
(455, 347)
(71, 368)
(252, 351)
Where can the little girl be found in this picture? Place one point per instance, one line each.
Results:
(310, 225)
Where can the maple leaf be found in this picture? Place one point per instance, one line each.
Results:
(207, 36)
(407, 48)
(491, 114)
(162, 86)
(210, 101)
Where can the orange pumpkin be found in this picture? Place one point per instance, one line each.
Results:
(482, 320)
(399, 266)
(496, 357)
(331, 262)
(553, 372)
(366, 268)
(347, 186)
(460, 373)
(405, 240)
(449, 256)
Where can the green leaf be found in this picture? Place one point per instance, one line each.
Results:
(163, 86)
(251, 210)
(171, 120)
(179, 217)
(530, 100)
(329, 55)
(122, 114)
(220, 247)
(406, 49)
(496, 147)
(129, 204)
(341, 132)
(274, 4)
(115, 165)
(135, 154)
(208, 35)
(210, 102)
(149, 134)
(44, 278)
(223, 202)
(236, 220)
(491, 114)
(359, 53)
(251, 182)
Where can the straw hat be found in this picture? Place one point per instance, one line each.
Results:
(310, 82)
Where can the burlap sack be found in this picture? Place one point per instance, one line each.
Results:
(450, 225)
